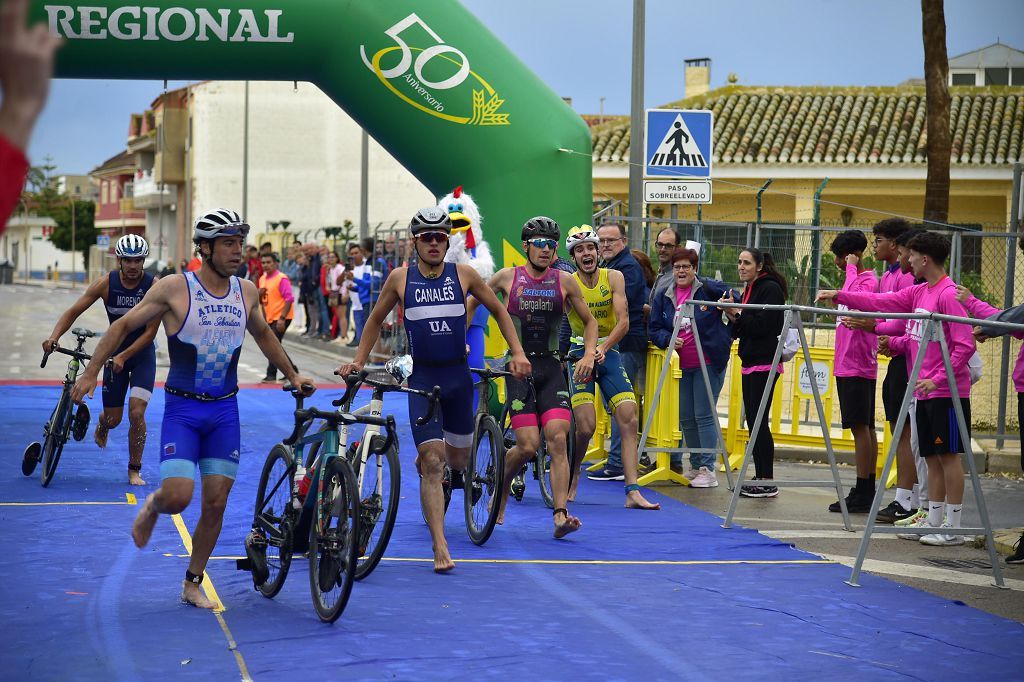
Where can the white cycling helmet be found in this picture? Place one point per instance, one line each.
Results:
(220, 222)
(580, 234)
(131, 246)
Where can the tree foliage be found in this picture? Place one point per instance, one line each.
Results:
(44, 199)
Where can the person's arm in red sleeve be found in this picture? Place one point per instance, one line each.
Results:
(26, 65)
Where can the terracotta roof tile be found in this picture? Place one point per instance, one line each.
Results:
(844, 125)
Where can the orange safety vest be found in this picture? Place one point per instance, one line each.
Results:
(272, 301)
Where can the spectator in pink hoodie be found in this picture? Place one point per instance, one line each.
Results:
(940, 437)
(856, 371)
(889, 233)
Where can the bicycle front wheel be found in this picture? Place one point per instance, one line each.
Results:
(332, 541)
(542, 472)
(275, 517)
(56, 436)
(378, 508)
(484, 477)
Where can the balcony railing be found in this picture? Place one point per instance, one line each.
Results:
(147, 193)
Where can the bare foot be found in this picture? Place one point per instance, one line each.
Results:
(142, 528)
(442, 560)
(134, 478)
(570, 524)
(100, 435)
(193, 596)
(634, 500)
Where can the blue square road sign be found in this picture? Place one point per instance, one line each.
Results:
(678, 143)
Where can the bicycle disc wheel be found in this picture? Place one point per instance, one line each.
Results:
(332, 541)
(56, 436)
(378, 509)
(484, 477)
(275, 517)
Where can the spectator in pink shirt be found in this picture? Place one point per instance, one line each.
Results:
(939, 434)
(888, 233)
(856, 371)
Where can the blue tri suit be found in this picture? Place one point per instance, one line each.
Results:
(435, 322)
(139, 371)
(201, 412)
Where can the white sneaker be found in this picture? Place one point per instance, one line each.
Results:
(941, 539)
(703, 478)
(920, 523)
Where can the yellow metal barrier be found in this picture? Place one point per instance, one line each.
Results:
(800, 399)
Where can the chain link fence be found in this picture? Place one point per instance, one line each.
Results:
(984, 258)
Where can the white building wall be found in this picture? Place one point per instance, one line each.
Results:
(304, 159)
(24, 246)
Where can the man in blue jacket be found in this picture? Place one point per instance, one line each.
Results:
(633, 347)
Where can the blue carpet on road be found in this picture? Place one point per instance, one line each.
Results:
(79, 601)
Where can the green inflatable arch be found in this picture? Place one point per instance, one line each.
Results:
(426, 79)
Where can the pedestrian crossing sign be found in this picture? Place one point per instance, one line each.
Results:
(678, 143)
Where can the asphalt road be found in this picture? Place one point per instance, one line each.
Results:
(798, 515)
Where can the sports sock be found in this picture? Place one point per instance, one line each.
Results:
(915, 497)
(935, 514)
(903, 498)
(953, 514)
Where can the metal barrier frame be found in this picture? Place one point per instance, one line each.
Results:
(932, 333)
(663, 470)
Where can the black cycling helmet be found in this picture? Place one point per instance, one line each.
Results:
(541, 226)
(430, 219)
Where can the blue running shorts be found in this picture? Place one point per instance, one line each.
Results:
(453, 418)
(139, 373)
(199, 432)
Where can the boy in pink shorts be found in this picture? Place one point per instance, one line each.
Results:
(940, 437)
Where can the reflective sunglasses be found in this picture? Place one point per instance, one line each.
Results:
(542, 243)
(433, 237)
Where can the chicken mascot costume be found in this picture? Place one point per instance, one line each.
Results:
(467, 246)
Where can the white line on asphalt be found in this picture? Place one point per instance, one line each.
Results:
(15, 370)
(16, 343)
(18, 335)
(751, 519)
(944, 575)
(15, 356)
(836, 534)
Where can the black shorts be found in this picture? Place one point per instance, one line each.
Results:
(856, 400)
(893, 387)
(937, 430)
(545, 398)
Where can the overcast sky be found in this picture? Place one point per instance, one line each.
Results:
(582, 49)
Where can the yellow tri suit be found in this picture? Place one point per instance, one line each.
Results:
(611, 376)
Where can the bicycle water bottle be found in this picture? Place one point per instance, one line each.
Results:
(300, 486)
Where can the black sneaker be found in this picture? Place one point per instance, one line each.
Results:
(855, 503)
(1018, 552)
(893, 513)
(759, 491)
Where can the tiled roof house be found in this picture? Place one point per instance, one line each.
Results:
(869, 141)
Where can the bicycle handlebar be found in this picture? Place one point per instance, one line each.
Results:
(303, 415)
(73, 353)
(353, 382)
(488, 373)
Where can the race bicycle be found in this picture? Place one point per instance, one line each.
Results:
(324, 521)
(377, 470)
(64, 420)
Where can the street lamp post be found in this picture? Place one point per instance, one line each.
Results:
(74, 261)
